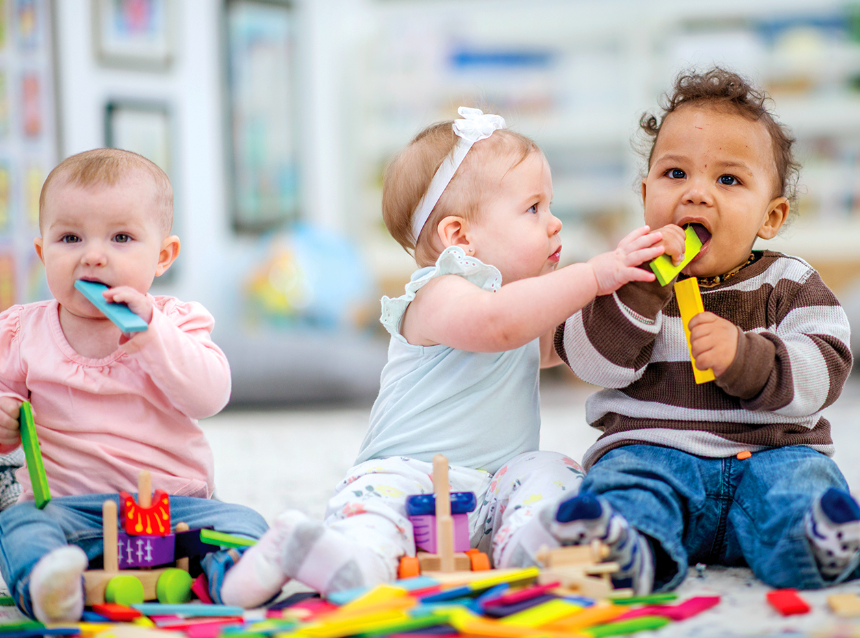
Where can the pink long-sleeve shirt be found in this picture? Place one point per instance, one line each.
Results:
(100, 421)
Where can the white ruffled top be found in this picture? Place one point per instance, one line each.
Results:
(452, 261)
(480, 409)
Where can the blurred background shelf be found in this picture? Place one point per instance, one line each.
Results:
(276, 119)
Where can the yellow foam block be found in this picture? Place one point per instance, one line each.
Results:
(354, 625)
(376, 596)
(588, 617)
(844, 605)
(505, 576)
(690, 304)
(663, 267)
(542, 614)
(344, 615)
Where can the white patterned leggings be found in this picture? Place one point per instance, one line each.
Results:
(369, 506)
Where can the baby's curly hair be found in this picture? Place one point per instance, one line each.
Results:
(722, 89)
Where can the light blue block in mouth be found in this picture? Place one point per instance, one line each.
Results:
(119, 313)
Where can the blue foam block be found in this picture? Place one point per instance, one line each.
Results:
(119, 313)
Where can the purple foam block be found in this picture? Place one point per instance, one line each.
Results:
(145, 551)
(424, 530)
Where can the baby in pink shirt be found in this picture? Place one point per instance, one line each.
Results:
(107, 404)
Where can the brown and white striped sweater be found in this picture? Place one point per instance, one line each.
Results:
(793, 359)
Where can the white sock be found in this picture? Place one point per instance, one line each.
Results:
(581, 519)
(301, 548)
(55, 585)
(833, 529)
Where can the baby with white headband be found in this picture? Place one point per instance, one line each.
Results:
(472, 201)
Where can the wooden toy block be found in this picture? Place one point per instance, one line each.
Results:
(845, 605)
(432, 563)
(663, 267)
(787, 602)
(145, 517)
(33, 455)
(145, 551)
(118, 313)
(579, 569)
(224, 540)
(689, 305)
(444, 521)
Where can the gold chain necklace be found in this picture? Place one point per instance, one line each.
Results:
(709, 282)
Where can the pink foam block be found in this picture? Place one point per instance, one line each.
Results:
(681, 611)
(201, 589)
(424, 530)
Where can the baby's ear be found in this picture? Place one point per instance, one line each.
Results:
(168, 254)
(453, 231)
(777, 213)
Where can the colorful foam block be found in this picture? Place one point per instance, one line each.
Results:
(33, 455)
(117, 613)
(224, 540)
(689, 305)
(159, 609)
(519, 595)
(787, 602)
(682, 611)
(663, 267)
(540, 615)
(118, 313)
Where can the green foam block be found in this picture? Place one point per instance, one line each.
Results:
(35, 466)
(663, 267)
(211, 537)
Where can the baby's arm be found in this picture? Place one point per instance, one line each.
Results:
(798, 366)
(452, 311)
(179, 356)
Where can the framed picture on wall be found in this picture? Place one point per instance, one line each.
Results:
(261, 114)
(135, 34)
(142, 127)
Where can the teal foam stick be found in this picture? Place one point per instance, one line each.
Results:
(663, 267)
(33, 454)
(119, 313)
(189, 609)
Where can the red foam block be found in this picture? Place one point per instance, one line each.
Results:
(787, 602)
(681, 611)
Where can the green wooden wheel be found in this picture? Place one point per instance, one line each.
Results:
(174, 587)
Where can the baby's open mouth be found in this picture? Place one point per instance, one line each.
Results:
(701, 232)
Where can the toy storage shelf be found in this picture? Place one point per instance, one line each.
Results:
(580, 88)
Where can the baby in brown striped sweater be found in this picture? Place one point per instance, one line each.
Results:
(670, 481)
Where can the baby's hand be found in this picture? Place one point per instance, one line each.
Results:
(136, 301)
(673, 242)
(9, 427)
(614, 269)
(713, 342)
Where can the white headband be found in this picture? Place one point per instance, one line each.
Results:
(475, 127)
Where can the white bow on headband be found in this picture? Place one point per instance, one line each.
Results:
(475, 126)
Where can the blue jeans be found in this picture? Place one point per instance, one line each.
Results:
(27, 534)
(720, 511)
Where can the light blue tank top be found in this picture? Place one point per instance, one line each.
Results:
(478, 409)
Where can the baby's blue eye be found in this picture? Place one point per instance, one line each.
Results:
(533, 208)
(121, 238)
(677, 173)
(728, 180)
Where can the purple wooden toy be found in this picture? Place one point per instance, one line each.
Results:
(421, 510)
(145, 551)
